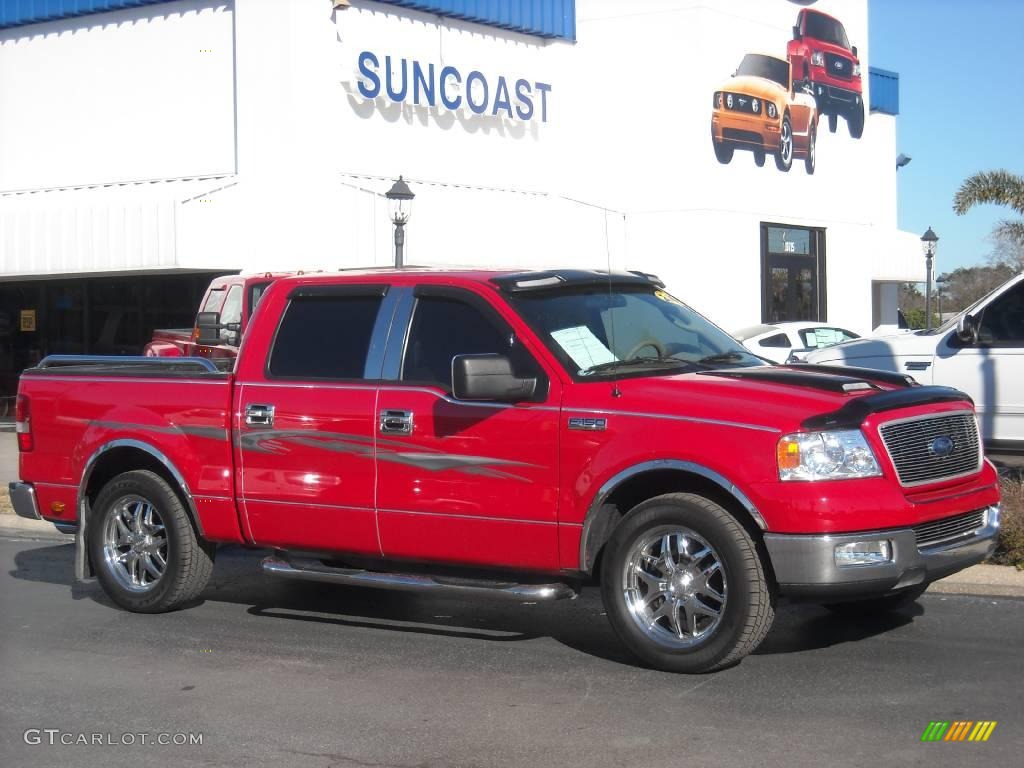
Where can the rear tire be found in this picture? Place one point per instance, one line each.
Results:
(877, 605)
(810, 159)
(145, 552)
(684, 586)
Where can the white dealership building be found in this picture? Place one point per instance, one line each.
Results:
(149, 145)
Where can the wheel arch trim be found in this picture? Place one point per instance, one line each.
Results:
(586, 558)
(83, 568)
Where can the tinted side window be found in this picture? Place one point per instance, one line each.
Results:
(777, 341)
(1003, 321)
(443, 328)
(324, 337)
(231, 312)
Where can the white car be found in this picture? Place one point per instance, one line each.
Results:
(980, 351)
(791, 342)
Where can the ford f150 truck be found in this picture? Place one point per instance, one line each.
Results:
(223, 317)
(821, 54)
(516, 435)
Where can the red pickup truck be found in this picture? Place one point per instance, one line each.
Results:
(516, 435)
(820, 53)
(223, 317)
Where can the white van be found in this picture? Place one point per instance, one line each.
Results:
(980, 351)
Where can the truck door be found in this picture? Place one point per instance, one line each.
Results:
(991, 370)
(466, 482)
(306, 418)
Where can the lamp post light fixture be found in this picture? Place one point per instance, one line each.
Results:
(929, 244)
(400, 209)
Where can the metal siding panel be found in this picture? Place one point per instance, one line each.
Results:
(885, 91)
(21, 12)
(541, 18)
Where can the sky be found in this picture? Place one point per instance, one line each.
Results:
(960, 63)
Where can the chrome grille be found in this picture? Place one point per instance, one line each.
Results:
(911, 446)
(948, 529)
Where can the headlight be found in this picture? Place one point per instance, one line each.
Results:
(856, 70)
(772, 111)
(838, 455)
(718, 99)
(728, 100)
(755, 107)
(817, 58)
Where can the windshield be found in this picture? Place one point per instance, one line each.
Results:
(827, 30)
(971, 310)
(601, 331)
(768, 67)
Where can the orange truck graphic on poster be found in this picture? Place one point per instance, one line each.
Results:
(762, 109)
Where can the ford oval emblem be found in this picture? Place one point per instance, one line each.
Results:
(941, 446)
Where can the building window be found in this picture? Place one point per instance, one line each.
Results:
(792, 273)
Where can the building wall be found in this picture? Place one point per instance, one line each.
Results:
(294, 147)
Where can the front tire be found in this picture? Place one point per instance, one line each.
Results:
(723, 151)
(784, 154)
(146, 554)
(684, 587)
(855, 122)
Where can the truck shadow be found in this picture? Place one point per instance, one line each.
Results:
(579, 624)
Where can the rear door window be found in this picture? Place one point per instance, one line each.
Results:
(324, 337)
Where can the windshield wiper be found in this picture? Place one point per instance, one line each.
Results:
(722, 357)
(636, 362)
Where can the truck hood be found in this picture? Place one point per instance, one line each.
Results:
(761, 87)
(773, 397)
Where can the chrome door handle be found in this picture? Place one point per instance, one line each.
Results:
(396, 422)
(259, 415)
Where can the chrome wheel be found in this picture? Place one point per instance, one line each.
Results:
(786, 143)
(674, 587)
(135, 543)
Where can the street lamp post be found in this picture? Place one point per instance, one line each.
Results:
(400, 208)
(929, 244)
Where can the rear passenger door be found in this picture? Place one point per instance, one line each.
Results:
(306, 422)
(463, 482)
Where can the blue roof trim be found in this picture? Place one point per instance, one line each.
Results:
(540, 18)
(18, 13)
(885, 91)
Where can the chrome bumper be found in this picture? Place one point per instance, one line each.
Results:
(805, 565)
(23, 497)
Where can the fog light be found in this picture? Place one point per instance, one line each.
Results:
(863, 553)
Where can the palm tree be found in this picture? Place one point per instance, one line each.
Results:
(1000, 187)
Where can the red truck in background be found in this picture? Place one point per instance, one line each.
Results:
(820, 53)
(223, 317)
(511, 435)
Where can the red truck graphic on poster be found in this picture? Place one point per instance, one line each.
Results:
(820, 52)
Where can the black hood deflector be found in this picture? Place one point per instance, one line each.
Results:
(846, 380)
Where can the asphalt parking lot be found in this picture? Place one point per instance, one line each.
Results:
(274, 673)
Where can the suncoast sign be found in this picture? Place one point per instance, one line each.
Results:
(403, 80)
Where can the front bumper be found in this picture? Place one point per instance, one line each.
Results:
(836, 99)
(805, 566)
(23, 497)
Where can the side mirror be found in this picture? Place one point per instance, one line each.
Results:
(489, 377)
(208, 325)
(967, 329)
(853, 50)
(796, 32)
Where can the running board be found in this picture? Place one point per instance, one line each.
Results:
(312, 570)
